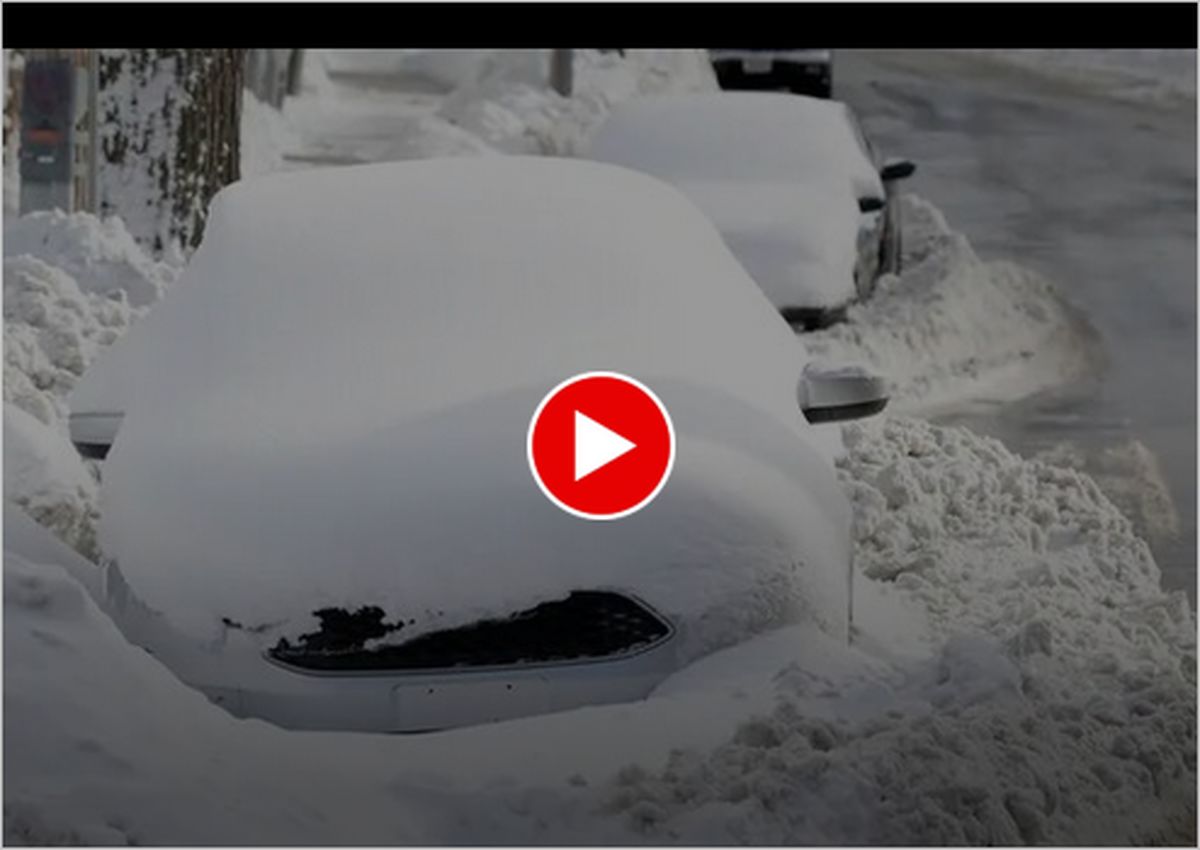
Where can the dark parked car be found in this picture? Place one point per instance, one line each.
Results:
(799, 70)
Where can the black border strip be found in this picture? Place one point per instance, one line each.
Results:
(493, 25)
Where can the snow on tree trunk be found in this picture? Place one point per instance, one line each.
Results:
(169, 139)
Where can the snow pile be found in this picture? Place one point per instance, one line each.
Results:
(103, 746)
(1058, 706)
(72, 285)
(68, 284)
(1050, 698)
(508, 103)
(1129, 473)
(99, 253)
(952, 327)
(46, 477)
(266, 137)
(376, 106)
(52, 331)
(1157, 76)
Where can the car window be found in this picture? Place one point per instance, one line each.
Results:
(863, 141)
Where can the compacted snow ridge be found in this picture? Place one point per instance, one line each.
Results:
(953, 328)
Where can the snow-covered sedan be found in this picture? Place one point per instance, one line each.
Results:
(795, 188)
(317, 507)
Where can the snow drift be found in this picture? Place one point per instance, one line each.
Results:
(953, 328)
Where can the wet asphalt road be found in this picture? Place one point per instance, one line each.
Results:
(1099, 196)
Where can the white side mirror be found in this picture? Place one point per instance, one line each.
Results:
(838, 393)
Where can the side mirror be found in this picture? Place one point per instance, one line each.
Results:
(93, 433)
(867, 205)
(897, 169)
(839, 393)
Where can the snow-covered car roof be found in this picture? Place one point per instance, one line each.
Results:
(779, 174)
(330, 407)
(750, 136)
(798, 240)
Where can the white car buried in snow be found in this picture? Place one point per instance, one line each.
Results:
(318, 508)
(791, 182)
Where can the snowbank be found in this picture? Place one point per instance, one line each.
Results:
(52, 331)
(72, 284)
(1057, 704)
(375, 106)
(505, 97)
(100, 254)
(952, 327)
(46, 477)
(1129, 473)
(1048, 695)
(68, 283)
(266, 137)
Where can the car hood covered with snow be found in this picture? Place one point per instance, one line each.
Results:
(330, 408)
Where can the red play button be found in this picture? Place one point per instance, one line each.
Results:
(601, 445)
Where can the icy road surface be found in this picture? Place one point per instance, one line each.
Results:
(1099, 195)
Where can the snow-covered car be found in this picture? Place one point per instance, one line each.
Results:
(318, 509)
(792, 183)
(799, 70)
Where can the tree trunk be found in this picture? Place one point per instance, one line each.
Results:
(169, 131)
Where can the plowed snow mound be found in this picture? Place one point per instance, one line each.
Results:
(952, 327)
(1058, 704)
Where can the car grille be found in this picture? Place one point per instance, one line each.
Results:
(587, 625)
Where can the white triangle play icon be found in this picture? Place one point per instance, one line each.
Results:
(595, 445)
